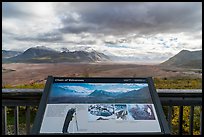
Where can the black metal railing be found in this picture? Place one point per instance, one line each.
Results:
(29, 98)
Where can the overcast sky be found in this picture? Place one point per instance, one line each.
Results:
(148, 31)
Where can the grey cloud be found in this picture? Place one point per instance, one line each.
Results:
(116, 41)
(176, 17)
(87, 42)
(68, 17)
(7, 32)
(76, 28)
(14, 10)
(119, 18)
(82, 42)
(124, 21)
(146, 18)
(110, 42)
(45, 37)
(196, 35)
(199, 37)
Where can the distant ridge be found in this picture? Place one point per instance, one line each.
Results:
(42, 54)
(10, 53)
(102, 93)
(185, 59)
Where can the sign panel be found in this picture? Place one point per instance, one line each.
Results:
(99, 105)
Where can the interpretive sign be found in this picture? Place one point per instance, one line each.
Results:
(100, 105)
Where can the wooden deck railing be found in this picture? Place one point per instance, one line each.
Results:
(169, 98)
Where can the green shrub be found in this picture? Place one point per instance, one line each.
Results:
(178, 83)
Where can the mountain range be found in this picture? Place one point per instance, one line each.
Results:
(185, 59)
(41, 54)
(117, 95)
(103, 93)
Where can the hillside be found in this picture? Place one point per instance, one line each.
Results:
(9, 53)
(46, 55)
(102, 93)
(185, 59)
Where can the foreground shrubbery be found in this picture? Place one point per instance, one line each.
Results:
(22, 119)
(160, 83)
(178, 83)
(186, 117)
(27, 86)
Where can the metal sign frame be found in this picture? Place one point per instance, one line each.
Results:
(155, 100)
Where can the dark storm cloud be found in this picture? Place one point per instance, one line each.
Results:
(146, 18)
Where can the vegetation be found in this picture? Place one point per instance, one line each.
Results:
(22, 119)
(186, 117)
(178, 83)
(27, 86)
(181, 83)
(160, 83)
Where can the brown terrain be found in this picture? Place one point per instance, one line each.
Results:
(22, 73)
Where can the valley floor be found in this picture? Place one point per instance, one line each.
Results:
(22, 73)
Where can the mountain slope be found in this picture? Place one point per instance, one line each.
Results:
(143, 93)
(185, 59)
(103, 93)
(47, 55)
(32, 53)
(139, 96)
(9, 53)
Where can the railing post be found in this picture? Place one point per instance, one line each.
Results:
(27, 120)
(180, 119)
(191, 120)
(4, 120)
(16, 120)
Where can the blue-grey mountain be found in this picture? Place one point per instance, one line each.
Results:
(103, 93)
(43, 54)
(185, 59)
(9, 53)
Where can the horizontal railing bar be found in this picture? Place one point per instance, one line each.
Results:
(9, 93)
(20, 102)
(189, 91)
(181, 101)
(7, 90)
(12, 97)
